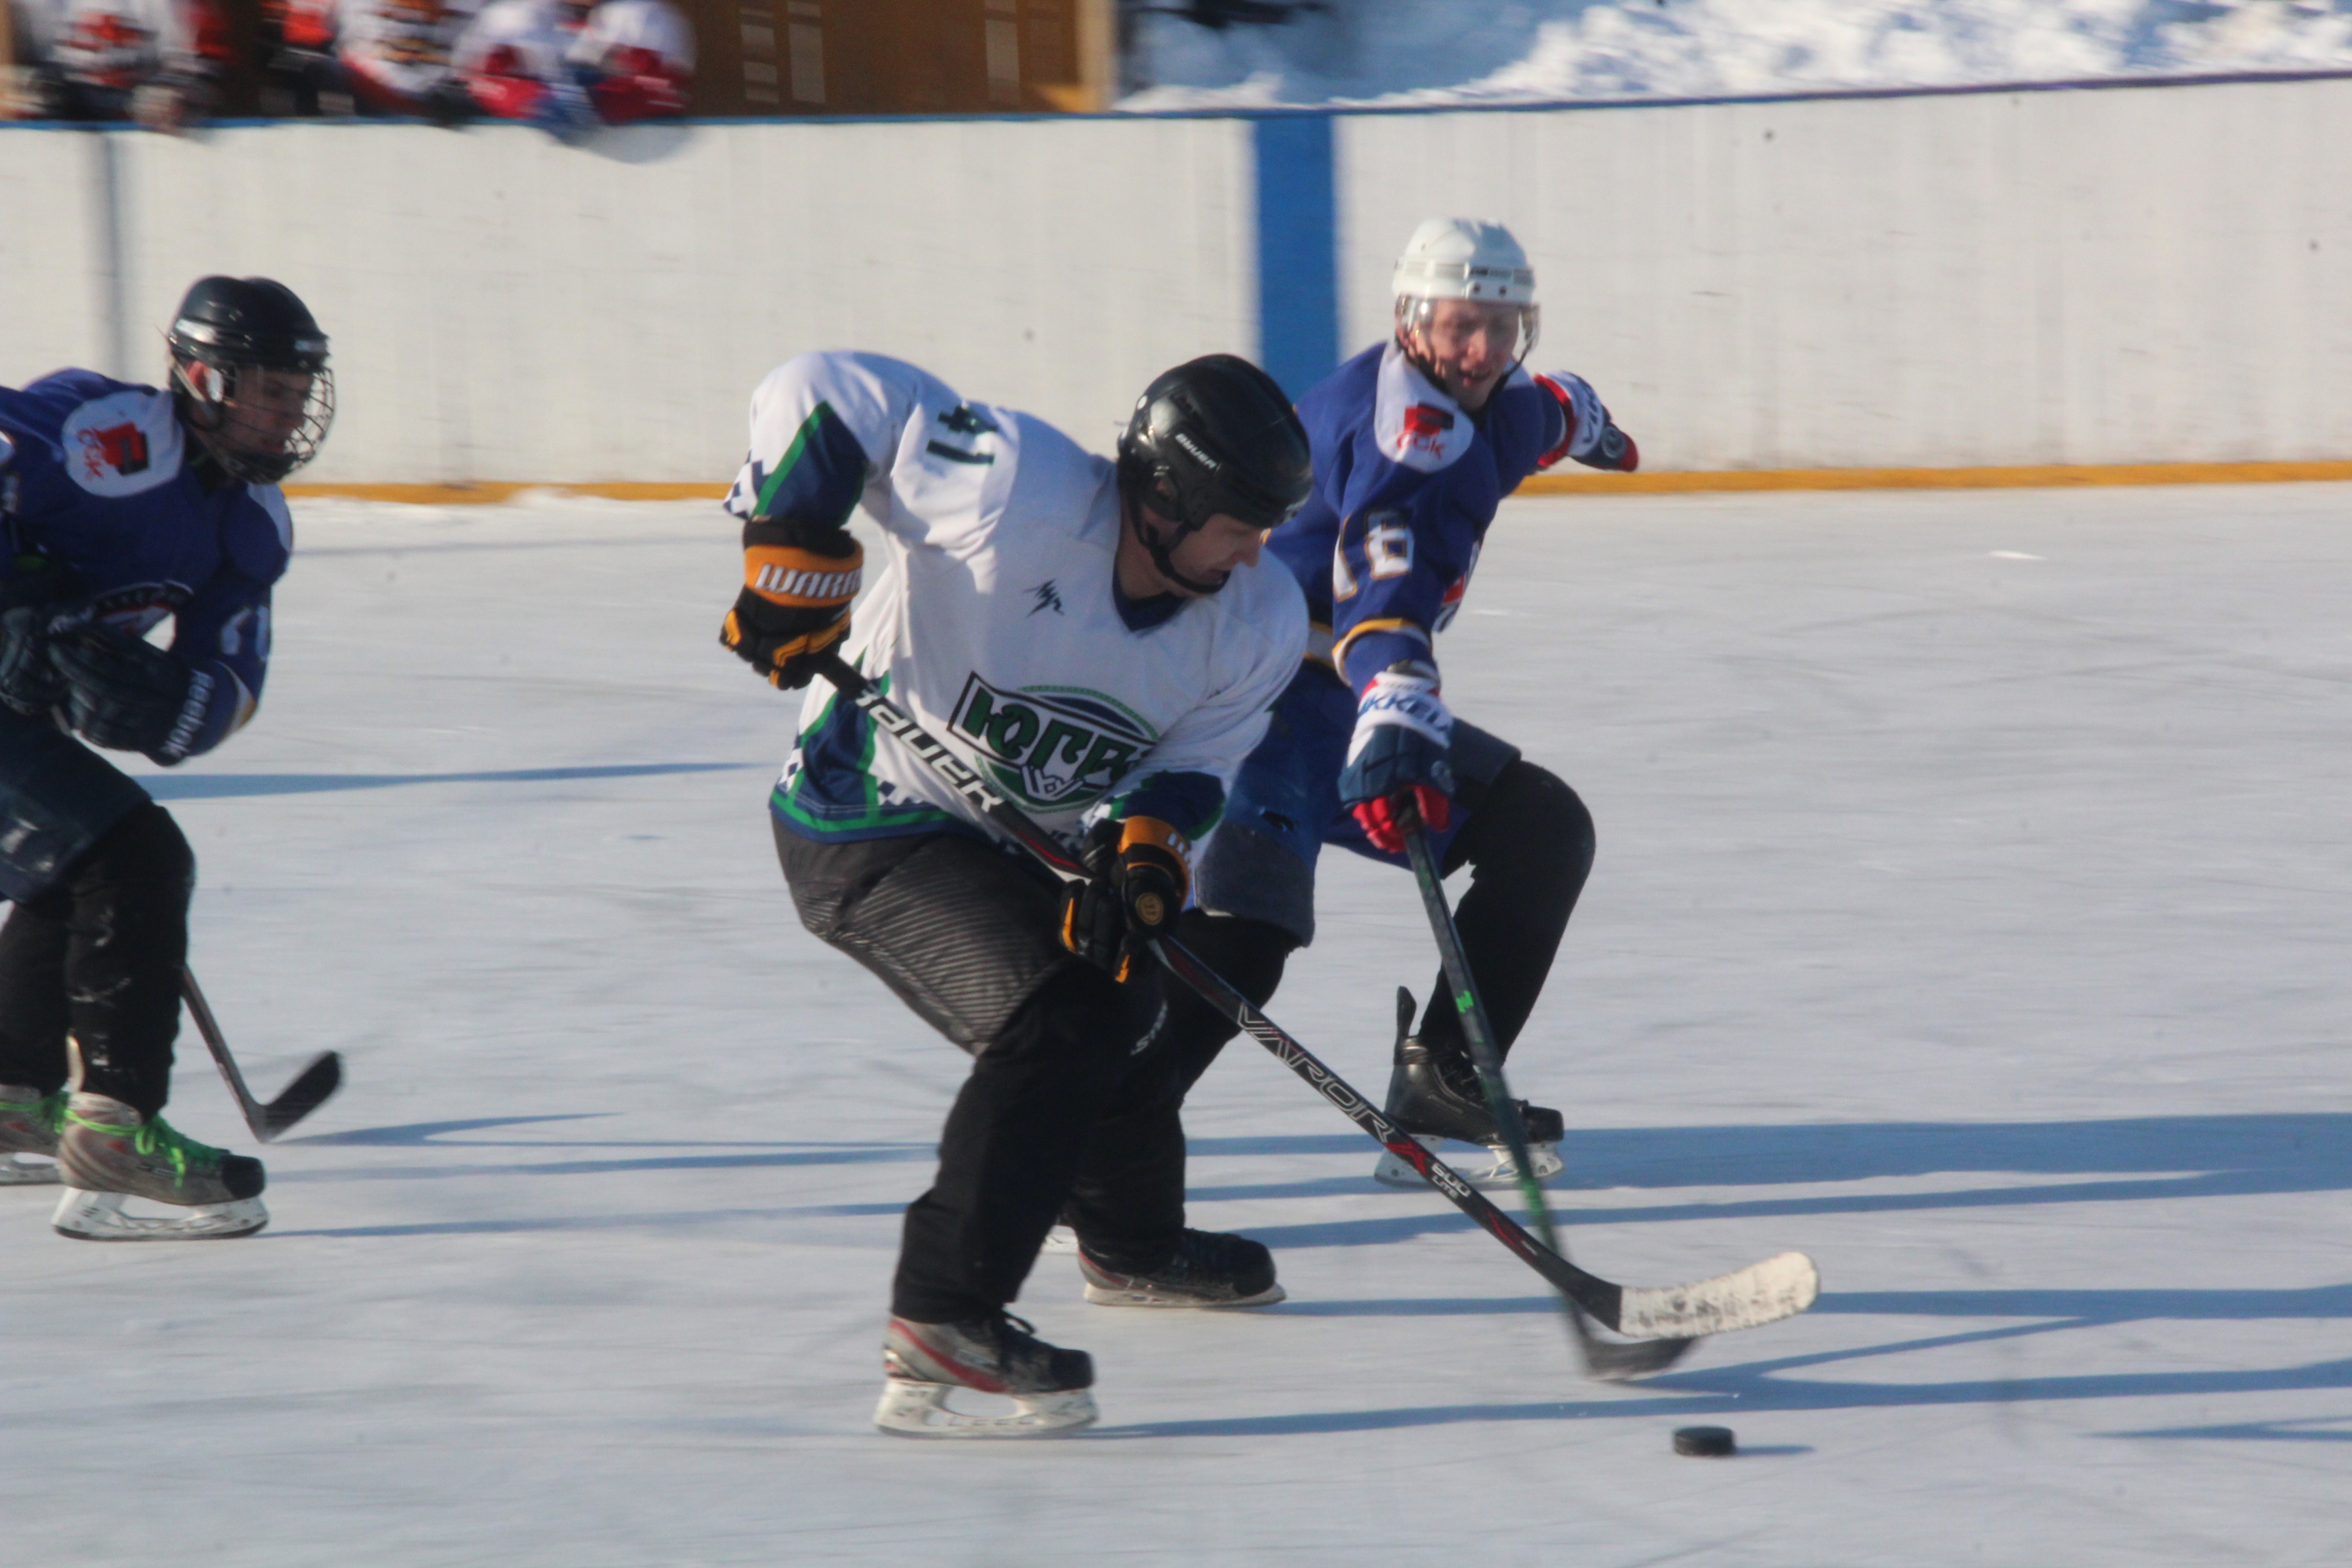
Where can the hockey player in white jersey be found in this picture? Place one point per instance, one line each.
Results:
(1098, 639)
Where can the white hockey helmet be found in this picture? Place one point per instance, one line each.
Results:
(1464, 258)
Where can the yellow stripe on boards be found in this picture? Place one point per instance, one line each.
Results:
(491, 492)
(2037, 476)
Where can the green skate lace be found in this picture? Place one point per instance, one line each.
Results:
(176, 1146)
(50, 1111)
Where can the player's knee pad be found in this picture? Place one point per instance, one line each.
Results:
(143, 865)
(1080, 1021)
(1247, 954)
(1530, 818)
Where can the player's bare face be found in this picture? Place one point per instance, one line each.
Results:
(1467, 347)
(1216, 550)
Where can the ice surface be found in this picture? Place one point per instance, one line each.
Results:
(1466, 52)
(1969, 914)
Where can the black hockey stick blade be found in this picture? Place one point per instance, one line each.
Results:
(1761, 1293)
(309, 1090)
(1608, 1360)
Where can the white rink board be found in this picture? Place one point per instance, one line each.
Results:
(2120, 276)
(53, 280)
(1968, 913)
(506, 307)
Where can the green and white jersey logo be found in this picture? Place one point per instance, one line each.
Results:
(1051, 746)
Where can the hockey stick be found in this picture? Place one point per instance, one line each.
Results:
(1609, 1359)
(1761, 1293)
(309, 1090)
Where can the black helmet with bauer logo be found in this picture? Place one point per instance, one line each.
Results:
(1213, 436)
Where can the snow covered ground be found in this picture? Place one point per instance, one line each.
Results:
(1472, 51)
(1970, 914)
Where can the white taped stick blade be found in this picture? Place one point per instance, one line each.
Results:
(1761, 1293)
(100, 1217)
(15, 1171)
(911, 1409)
(1493, 1169)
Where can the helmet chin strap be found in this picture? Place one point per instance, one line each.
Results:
(1162, 548)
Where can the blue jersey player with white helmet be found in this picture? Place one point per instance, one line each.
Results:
(124, 506)
(1416, 442)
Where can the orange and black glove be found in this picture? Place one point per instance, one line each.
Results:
(1136, 880)
(798, 583)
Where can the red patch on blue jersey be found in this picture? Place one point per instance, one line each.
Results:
(122, 447)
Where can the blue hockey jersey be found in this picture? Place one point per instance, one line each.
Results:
(1406, 482)
(106, 520)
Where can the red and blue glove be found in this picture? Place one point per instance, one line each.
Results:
(1591, 439)
(1397, 759)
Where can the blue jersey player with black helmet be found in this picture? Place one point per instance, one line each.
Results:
(1416, 442)
(124, 506)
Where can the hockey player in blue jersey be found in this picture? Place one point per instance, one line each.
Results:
(124, 506)
(1415, 442)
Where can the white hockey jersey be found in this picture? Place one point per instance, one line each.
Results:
(996, 621)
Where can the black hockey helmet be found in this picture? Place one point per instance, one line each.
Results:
(238, 327)
(1215, 434)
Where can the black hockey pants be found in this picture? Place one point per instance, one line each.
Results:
(1062, 1058)
(97, 954)
(1528, 843)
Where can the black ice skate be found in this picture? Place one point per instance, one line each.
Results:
(29, 1125)
(1202, 1269)
(108, 1152)
(1433, 1094)
(924, 1363)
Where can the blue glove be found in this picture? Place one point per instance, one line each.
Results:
(1397, 756)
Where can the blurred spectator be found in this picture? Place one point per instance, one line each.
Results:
(298, 73)
(640, 59)
(152, 61)
(561, 65)
(398, 56)
(513, 61)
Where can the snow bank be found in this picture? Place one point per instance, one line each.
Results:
(1519, 51)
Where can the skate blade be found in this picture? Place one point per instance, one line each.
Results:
(99, 1217)
(910, 1409)
(1491, 1169)
(16, 1173)
(1144, 1296)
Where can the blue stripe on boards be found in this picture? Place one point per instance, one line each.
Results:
(1297, 250)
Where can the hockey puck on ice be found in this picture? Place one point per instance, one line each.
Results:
(1705, 1442)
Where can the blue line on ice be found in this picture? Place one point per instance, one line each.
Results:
(217, 786)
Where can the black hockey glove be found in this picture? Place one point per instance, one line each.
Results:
(1136, 879)
(795, 600)
(28, 682)
(128, 695)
